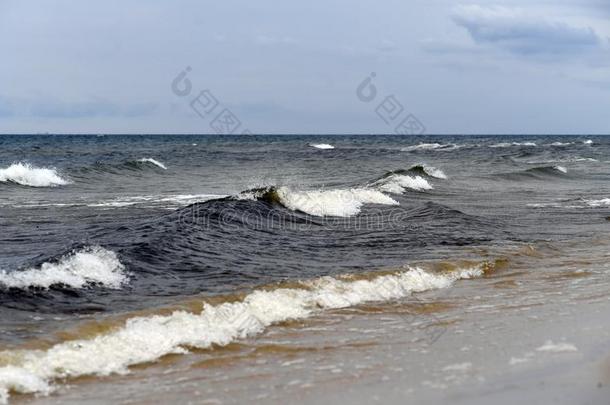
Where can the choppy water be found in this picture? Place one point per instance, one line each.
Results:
(101, 226)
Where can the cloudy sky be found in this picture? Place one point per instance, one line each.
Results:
(537, 66)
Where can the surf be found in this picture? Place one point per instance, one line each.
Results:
(321, 203)
(25, 174)
(88, 267)
(148, 338)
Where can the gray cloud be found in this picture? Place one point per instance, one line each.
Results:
(516, 31)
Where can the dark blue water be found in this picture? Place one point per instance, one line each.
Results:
(186, 215)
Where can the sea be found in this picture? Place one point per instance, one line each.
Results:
(282, 268)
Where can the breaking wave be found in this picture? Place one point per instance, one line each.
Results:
(575, 159)
(399, 184)
(129, 167)
(27, 175)
(146, 339)
(543, 172)
(424, 170)
(338, 202)
(580, 203)
(87, 267)
(431, 146)
(321, 146)
(604, 202)
(512, 144)
(153, 162)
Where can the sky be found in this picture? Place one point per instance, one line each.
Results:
(244, 66)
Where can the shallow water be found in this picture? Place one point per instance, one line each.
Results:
(105, 237)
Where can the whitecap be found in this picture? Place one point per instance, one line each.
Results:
(574, 204)
(28, 175)
(511, 144)
(89, 266)
(560, 169)
(399, 183)
(146, 339)
(434, 172)
(431, 146)
(575, 159)
(549, 346)
(588, 142)
(337, 202)
(169, 201)
(604, 202)
(154, 162)
(321, 146)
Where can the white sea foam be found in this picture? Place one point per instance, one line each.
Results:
(549, 346)
(431, 146)
(604, 202)
(146, 339)
(28, 175)
(561, 143)
(574, 204)
(154, 162)
(588, 142)
(339, 202)
(169, 201)
(511, 144)
(574, 159)
(321, 146)
(399, 183)
(434, 172)
(80, 269)
(560, 169)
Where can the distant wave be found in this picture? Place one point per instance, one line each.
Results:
(334, 202)
(575, 159)
(321, 146)
(120, 168)
(580, 203)
(148, 338)
(559, 144)
(87, 267)
(604, 202)
(559, 169)
(536, 173)
(171, 201)
(512, 144)
(431, 146)
(31, 176)
(154, 162)
(588, 142)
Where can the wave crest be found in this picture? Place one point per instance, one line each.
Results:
(146, 339)
(399, 183)
(425, 170)
(89, 266)
(153, 162)
(321, 146)
(321, 203)
(31, 176)
(431, 146)
(512, 144)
